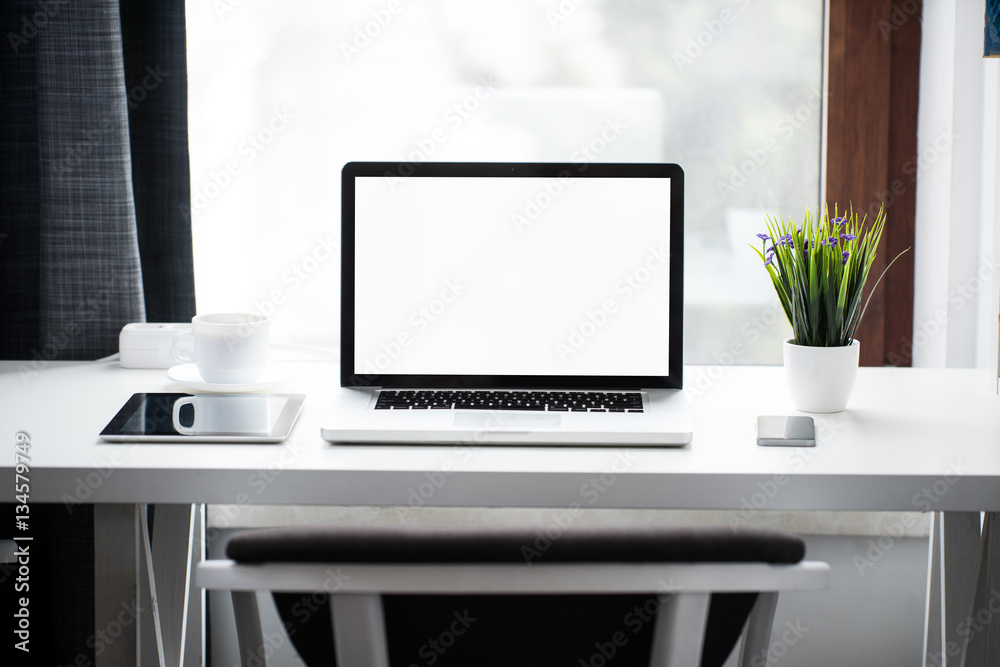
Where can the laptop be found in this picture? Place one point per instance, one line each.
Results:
(511, 304)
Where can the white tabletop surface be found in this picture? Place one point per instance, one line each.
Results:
(911, 439)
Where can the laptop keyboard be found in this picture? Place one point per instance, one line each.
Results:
(541, 401)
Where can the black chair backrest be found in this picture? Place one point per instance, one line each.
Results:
(486, 630)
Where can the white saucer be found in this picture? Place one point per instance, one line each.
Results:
(187, 376)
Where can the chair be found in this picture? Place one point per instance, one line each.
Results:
(673, 596)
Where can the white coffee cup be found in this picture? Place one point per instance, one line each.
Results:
(224, 414)
(228, 348)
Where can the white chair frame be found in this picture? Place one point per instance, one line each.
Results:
(356, 590)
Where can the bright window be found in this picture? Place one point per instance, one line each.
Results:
(283, 94)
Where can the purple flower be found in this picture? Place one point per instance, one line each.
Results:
(839, 221)
(770, 249)
(770, 260)
(845, 255)
(832, 241)
(786, 240)
(848, 237)
(806, 245)
(763, 237)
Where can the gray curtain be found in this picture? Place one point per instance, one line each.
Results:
(94, 183)
(95, 175)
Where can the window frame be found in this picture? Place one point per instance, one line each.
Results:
(873, 90)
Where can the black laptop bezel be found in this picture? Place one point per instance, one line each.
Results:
(352, 170)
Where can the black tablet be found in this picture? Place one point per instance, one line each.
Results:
(149, 417)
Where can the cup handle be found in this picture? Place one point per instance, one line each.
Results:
(175, 348)
(180, 428)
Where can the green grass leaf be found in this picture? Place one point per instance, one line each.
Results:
(821, 292)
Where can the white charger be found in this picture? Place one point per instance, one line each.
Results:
(149, 344)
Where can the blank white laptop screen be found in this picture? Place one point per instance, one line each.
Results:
(529, 276)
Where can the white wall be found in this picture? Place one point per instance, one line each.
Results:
(955, 167)
(991, 136)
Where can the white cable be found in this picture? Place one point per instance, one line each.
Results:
(325, 352)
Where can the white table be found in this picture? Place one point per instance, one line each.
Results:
(910, 440)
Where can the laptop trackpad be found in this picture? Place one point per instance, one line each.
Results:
(502, 421)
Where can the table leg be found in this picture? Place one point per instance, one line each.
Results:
(932, 610)
(116, 613)
(169, 555)
(982, 629)
(952, 567)
(148, 649)
(194, 645)
(125, 594)
(194, 652)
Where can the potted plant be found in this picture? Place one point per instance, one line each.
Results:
(819, 271)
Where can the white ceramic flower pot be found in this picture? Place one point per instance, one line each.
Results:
(820, 379)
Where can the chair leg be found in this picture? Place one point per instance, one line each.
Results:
(359, 630)
(758, 630)
(248, 631)
(680, 630)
